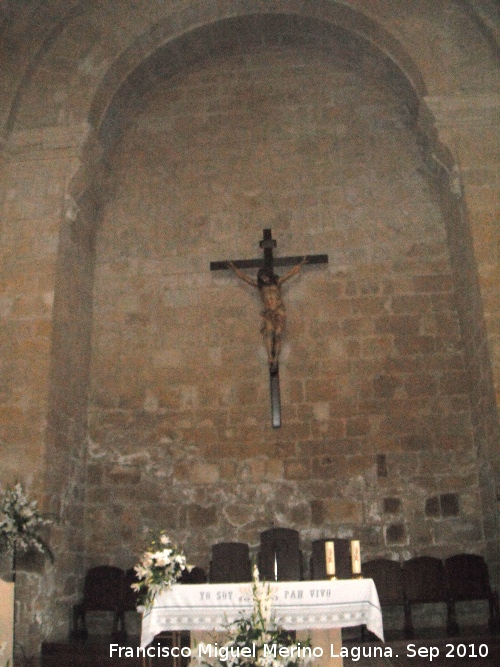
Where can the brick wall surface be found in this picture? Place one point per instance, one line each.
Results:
(376, 439)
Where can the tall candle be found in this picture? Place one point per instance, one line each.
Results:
(275, 566)
(355, 557)
(330, 559)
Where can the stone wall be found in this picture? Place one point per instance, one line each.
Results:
(376, 439)
(390, 420)
(47, 309)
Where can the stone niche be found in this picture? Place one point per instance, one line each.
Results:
(376, 440)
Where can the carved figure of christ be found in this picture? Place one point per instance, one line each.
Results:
(274, 313)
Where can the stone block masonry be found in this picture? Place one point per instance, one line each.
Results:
(376, 420)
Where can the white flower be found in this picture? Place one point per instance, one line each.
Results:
(261, 630)
(20, 520)
(160, 567)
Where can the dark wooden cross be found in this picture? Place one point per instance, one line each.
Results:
(268, 263)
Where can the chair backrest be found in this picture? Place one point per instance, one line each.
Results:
(195, 576)
(103, 588)
(230, 563)
(424, 579)
(388, 578)
(467, 577)
(280, 557)
(129, 596)
(342, 550)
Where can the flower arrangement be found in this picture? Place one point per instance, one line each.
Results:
(161, 566)
(20, 520)
(3, 647)
(257, 640)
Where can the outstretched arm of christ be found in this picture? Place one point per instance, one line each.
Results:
(293, 271)
(243, 276)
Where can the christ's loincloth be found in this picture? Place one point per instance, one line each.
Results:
(273, 319)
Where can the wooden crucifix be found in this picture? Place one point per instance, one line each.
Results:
(274, 313)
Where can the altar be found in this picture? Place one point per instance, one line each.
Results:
(321, 608)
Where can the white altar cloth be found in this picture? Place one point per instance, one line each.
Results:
(297, 605)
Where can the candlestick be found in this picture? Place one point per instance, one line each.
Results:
(356, 559)
(330, 560)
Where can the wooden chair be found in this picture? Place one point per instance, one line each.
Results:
(230, 563)
(424, 582)
(196, 576)
(280, 557)
(467, 578)
(102, 591)
(388, 577)
(343, 565)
